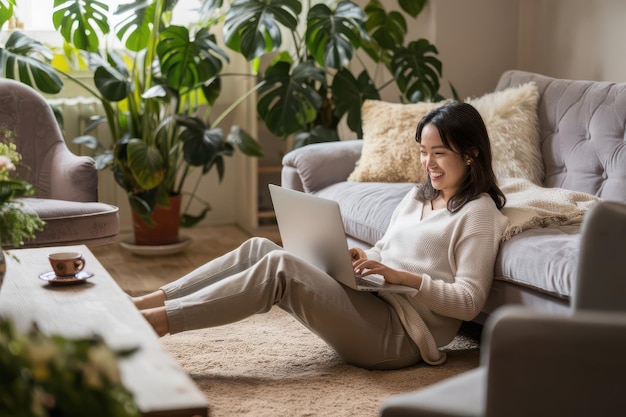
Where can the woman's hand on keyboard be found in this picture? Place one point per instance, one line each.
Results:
(365, 267)
(357, 253)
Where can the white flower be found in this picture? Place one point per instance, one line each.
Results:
(6, 163)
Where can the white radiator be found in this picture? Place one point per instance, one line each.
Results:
(77, 113)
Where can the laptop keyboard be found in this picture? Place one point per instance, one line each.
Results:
(373, 280)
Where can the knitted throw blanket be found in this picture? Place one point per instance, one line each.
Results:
(529, 205)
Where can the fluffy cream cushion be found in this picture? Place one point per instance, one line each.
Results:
(513, 125)
(390, 153)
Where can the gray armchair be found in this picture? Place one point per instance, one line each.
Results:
(66, 184)
(538, 364)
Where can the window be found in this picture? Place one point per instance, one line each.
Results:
(35, 17)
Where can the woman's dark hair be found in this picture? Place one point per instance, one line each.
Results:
(463, 130)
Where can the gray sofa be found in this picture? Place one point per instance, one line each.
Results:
(582, 133)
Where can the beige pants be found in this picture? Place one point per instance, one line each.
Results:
(361, 327)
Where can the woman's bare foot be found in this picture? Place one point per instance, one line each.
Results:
(152, 300)
(157, 317)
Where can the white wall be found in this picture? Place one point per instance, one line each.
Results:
(577, 39)
(477, 41)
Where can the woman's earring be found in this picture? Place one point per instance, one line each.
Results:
(468, 161)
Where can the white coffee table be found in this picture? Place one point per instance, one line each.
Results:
(98, 305)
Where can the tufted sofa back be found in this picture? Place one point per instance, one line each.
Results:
(582, 132)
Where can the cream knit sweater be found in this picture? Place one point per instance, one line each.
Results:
(455, 255)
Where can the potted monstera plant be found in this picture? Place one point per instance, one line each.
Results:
(315, 82)
(152, 88)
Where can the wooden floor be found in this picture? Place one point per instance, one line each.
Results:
(142, 274)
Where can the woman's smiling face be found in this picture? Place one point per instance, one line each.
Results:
(445, 167)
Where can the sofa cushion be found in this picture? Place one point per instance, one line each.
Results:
(366, 208)
(390, 153)
(512, 123)
(71, 222)
(544, 259)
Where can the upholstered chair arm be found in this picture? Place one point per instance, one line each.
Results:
(462, 395)
(72, 177)
(533, 364)
(314, 167)
(542, 364)
(47, 162)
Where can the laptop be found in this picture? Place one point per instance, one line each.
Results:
(311, 228)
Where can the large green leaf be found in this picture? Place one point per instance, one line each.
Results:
(146, 164)
(244, 141)
(27, 60)
(208, 8)
(212, 90)
(349, 94)
(135, 22)
(387, 30)
(186, 63)
(412, 7)
(332, 36)
(417, 70)
(81, 22)
(6, 10)
(318, 134)
(252, 26)
(113, 83)
(289, 101)
(200, 144)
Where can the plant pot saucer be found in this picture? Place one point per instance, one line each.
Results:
(155, 250)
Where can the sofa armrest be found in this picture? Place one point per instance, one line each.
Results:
(314, 167)
(70, 177)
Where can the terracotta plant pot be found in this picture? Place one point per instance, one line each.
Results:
(165, 227)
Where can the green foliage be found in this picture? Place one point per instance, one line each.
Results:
(164, 74)
(332, 36)
(6, 10)
(27, 60)
(252, 27)
(310, 86)
(16, 225)
(45, 376)
(153, 90)
(287, 99)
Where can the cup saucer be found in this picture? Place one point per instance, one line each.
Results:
(52, 278)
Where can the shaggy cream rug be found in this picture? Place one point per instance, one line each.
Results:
(270, 365)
